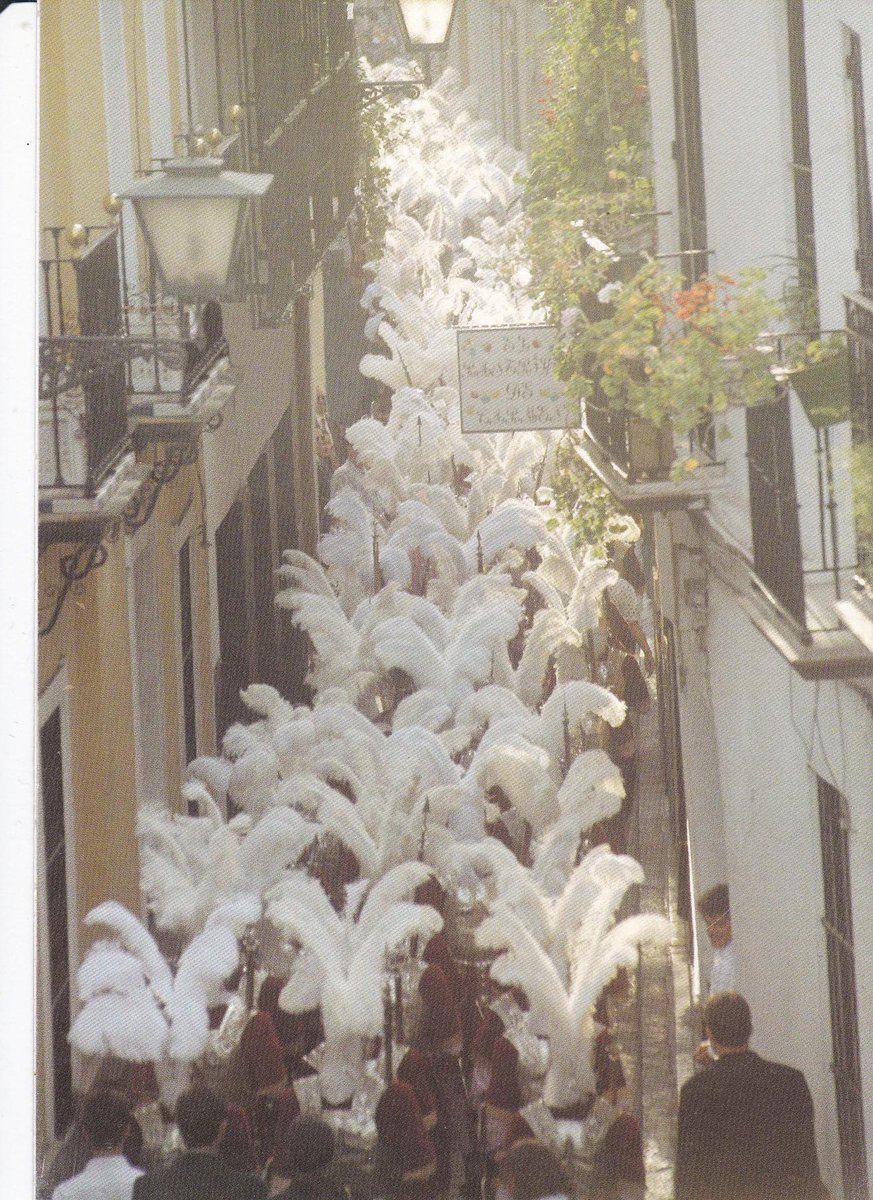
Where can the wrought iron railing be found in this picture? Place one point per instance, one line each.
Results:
(312, 157)
(91, 383)
(859, 325)
(807, 567)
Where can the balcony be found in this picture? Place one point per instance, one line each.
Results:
(635, 459)
(789, 511)
(111, 380)
(300, 127)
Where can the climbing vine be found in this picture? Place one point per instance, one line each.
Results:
(585, 504)
(589, 161)
(379, 132)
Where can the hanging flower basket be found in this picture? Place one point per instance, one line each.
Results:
(650, 449)
(823, 389)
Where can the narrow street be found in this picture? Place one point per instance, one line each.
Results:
(454, 600)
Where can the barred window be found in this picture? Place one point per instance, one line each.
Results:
(837, 920)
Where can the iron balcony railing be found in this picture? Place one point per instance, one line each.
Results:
(91, 384)
(94, 373)
(811, 542)
(640, 450)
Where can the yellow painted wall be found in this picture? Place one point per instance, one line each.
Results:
(73, 171)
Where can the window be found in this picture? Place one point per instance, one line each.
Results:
(837, 920)
(57, 917)
(773, 504)
(801, 160)
(688, 150)
(186, 631)
(864, 206)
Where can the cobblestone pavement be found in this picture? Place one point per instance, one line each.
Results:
(656, 1046)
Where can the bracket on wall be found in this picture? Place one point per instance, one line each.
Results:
(85, 557)
(178, 453)
(402, 89)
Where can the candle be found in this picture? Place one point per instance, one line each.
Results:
(388, 1034)
(398, 1007)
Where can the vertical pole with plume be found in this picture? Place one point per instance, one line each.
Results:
(388, 1032)
(398, 1007)
(480, 557)
(377, 570)
(565, 757)
(424, 816)
(250, 947)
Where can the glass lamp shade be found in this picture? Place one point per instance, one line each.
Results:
(427, 22)
(192, 216)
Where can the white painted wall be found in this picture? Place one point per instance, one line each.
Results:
(746, 122)
(482, 57)
(117, 114)
(654, 24)
(774, 733)
(158, 77)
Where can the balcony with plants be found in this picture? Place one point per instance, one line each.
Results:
(794, 505)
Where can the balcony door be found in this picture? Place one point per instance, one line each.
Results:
(56, 908)
(773, 502)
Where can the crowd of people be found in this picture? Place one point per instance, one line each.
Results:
(385, 940)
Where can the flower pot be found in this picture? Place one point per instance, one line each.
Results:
(823, 389)
(650, 451)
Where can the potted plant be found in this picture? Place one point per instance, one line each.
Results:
(667, 354)
(821, 380)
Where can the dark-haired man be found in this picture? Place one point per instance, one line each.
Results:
(746, 1129)
(715, 909)
(108, 1175)
(199, 1174)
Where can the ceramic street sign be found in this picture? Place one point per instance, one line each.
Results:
(508, 382)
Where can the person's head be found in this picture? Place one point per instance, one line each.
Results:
(201, 1115)
(395, 685)
(714, 905)
(380, 409)
(106, 1118)
(530, 1171)
(309, 1146)
(632, 571)
(728, 1021)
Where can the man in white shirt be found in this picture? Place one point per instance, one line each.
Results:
(714, 907)
(108, 1175)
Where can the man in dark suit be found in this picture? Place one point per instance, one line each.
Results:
(199, 1174)
(746, 1128)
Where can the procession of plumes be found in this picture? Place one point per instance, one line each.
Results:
(442, 703)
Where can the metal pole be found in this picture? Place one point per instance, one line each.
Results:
(184, 14)
(216, 49)
(832, 509)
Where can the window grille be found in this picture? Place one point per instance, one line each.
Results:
(837, 922)
(57, 917)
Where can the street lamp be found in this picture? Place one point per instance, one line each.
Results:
(427, 24)
(192, 215)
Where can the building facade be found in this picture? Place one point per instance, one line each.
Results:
(762, 558)
(176, 445)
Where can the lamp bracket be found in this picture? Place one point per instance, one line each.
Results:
(403, 89)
